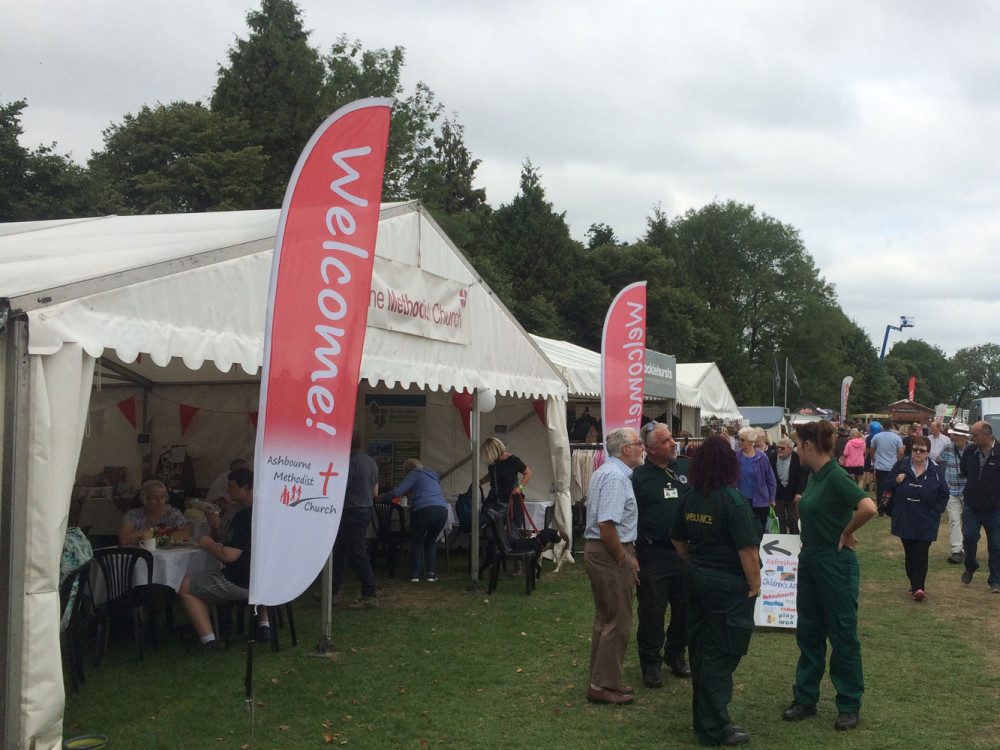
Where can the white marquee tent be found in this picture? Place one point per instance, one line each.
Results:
(714, 395)
(699, 385)
(174, 308)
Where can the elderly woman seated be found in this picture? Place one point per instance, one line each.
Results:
(155, 517)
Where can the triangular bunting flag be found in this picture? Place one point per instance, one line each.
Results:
(539, 405)
(187, 414)
(127, 407)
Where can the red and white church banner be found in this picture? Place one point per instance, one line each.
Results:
(315, 332)
(623, 360)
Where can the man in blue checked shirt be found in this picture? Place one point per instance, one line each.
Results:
(612, 523)
(950, 458)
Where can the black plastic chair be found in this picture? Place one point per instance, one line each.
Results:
(117, 566)
(502, 550)
(390, 533)
(71, 599)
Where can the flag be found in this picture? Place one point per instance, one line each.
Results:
(913, 389)
(845, 389)
(623, 359)
(775, 381)
(314, 333)
(792, 380)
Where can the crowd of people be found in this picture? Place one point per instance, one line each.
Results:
(681, 535)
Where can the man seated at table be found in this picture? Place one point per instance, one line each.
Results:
(232, 583)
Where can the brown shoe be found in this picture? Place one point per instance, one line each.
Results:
(627, 689)
(604, 695)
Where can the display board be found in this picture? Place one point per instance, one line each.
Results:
(394, 425)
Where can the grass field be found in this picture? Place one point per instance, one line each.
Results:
(440, 666)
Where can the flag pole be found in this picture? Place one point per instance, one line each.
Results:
(786, 384)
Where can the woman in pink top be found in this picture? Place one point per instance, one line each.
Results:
(854, 457)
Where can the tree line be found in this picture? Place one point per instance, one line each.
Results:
(726, 283)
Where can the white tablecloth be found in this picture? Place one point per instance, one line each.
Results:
(169, 568)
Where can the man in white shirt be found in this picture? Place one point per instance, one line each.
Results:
(938, 439)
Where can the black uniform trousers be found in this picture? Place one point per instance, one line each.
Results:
(720, 623)
(661, 584)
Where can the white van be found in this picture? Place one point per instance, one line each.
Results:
(986, 409)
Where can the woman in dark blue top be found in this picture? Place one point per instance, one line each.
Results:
(919, 497)
(428, 515)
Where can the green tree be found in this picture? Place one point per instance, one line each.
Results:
(274, 85)
(536, 258)
(759, 286)
(39, 184)
(871, 391)
(928, 364)
(444, 182)
(977, 371)
(179, 158)
(356, 73)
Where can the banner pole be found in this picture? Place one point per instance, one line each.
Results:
(325, 643)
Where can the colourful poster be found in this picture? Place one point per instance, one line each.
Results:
(314, 335)
(779, 557)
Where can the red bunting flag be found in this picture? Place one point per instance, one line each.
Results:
(187, 414)
(127, 407)
(539, 404)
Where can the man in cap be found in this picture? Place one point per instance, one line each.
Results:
(950, 459)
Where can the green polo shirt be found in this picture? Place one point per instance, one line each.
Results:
(716, 525)
(827, 504)
(658, 491)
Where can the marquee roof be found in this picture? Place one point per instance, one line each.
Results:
(183, 290)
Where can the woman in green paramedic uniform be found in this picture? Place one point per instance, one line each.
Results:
(714, 531)
(831, 509)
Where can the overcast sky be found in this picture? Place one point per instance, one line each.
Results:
(870, 126)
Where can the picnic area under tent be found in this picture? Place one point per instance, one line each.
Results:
(168, 312)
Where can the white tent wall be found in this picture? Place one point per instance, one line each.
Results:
(59, 396)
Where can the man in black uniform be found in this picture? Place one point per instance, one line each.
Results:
(659, 484)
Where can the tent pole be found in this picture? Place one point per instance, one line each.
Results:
(15, 380)
(474, 531)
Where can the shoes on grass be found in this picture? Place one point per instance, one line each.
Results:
(967, 576)
(846, 721)
(798, 712)
(956, 558)
(919, 595)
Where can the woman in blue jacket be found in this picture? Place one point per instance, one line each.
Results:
(428, 515)
(757, 482)
(919, 497)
